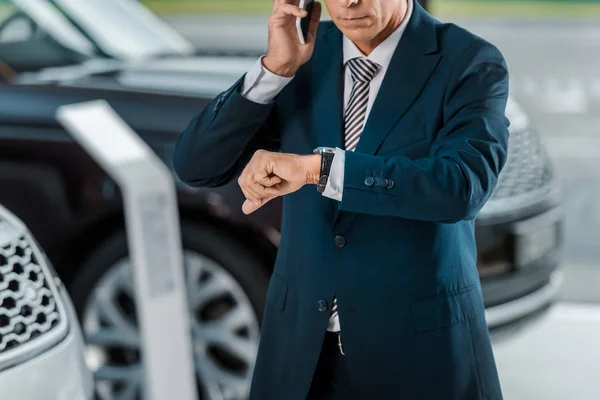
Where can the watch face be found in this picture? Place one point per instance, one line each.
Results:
(323, 180)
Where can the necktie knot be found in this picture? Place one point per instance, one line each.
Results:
(362, 69)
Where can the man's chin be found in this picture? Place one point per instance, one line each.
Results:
(359, 34)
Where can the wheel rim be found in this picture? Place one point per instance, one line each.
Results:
(225, 332)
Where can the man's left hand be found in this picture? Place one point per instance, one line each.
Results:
(269, 175)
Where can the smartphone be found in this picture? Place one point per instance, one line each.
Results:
(302, 24)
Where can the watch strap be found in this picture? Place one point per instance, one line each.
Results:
(326, 163)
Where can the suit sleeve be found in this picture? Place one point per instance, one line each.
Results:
(461, 172)
(221, 139)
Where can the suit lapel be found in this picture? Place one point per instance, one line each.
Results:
(410, 68)
(328, 90)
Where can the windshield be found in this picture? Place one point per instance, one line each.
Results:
(122, 29)
(52, 22)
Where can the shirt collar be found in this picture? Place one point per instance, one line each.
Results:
(383, 53)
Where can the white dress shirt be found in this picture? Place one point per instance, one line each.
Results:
(262, 86)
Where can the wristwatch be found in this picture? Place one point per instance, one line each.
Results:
(327, 154)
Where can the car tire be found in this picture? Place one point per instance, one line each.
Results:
(248, 279)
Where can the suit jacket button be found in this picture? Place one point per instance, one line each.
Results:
(322, 304)
(377, 182)
(384, 182)
(369, 181)
(339, 241)
(390, 184)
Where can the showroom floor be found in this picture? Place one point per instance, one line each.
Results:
(556, 359)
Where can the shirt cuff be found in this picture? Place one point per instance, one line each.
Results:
(335, 184)
(261, 85)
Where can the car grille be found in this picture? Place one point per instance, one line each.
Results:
(528, 167)
(28, 308)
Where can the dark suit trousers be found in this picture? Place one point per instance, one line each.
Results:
(331, 380)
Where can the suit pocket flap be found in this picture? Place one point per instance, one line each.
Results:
(439, 312)
(277, 292)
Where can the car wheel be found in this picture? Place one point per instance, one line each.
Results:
(226, 290)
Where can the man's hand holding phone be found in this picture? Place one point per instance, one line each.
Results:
(286, 53)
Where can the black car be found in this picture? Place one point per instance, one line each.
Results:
(61, 52)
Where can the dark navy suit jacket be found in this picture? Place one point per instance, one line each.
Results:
(410, 301)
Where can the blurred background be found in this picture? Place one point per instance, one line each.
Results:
(158, 62)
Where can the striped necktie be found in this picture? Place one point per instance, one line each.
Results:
(362, 70)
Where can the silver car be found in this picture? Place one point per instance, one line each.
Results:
(41, 344)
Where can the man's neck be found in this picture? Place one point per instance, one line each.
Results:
(396, 20)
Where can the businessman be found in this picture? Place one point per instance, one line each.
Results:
(385, 134)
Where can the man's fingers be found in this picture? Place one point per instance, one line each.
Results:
(250, 191)
(269, 181)
(248, 195)
(258, 195)
(255, 192)
(263, 191)
(254, 189)
(285, 10)
(249, 207)
(259, 183)
(243, 184)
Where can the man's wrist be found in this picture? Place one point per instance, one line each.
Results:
(278, 69)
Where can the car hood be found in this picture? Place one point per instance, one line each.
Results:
(204, 76)
(200, 76)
